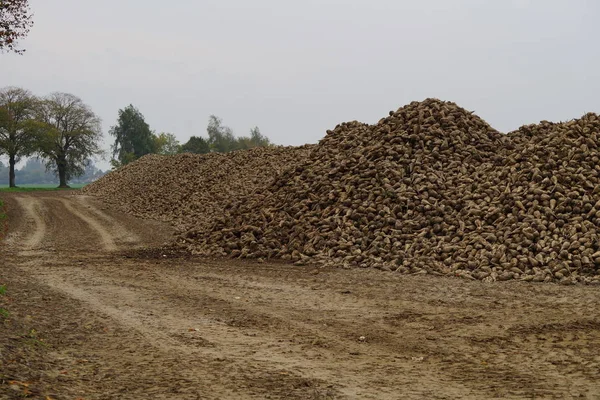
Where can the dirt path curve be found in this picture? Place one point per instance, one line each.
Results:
(137, 323)
(31, 207)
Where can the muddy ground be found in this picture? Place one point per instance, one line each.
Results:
(98, 311)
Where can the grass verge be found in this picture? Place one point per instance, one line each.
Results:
(37, 187)
(3, 311)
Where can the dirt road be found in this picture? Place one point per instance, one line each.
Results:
(120, 319)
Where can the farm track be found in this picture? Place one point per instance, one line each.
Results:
(125, 322)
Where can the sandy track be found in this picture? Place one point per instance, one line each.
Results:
(178, 328)
(35, 219)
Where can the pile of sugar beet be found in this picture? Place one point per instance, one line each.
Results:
(189, 189)
(430, 189)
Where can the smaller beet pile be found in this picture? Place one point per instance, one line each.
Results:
(175, 188)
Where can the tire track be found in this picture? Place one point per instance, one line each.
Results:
(274, 339)
(105, 236)
(135, 312)
(35, 230)
(120, 233)
(33, 215)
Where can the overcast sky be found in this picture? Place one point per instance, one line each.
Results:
(297, 68)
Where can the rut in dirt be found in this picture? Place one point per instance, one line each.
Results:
(73, 223)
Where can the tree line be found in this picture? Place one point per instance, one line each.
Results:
(134, 139)
(34, 171)
(66, 134)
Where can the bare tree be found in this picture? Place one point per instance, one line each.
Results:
(15, 22)
(70, 134)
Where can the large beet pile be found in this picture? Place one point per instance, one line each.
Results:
(430, 189)
(548, 225)
(369, 195)
(190, 189)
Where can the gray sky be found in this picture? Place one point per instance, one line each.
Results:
(297, 68)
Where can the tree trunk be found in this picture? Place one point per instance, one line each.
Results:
(62, 172)
(11, 175)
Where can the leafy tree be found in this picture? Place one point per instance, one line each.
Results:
(222, 140)
(196, 145)
(256, 139)
(133, 137)
(17, 136)
(69, 134)
(166, 143)
(15, 22)
(220, 137)
(126, 159)
(90, 174)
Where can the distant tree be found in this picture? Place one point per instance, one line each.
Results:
(196, 145)
(133, 137)
(166, 143)
(34, 171)
(15, 22)
(243, 143)
(220, 137)
(256, 139)
(69, 134)
(17, 133)
(3, 173)
(90, 174)
(222, 140)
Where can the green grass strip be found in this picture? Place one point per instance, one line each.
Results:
(37, 188)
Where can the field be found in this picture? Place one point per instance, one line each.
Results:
(99, 310)
(38, 187)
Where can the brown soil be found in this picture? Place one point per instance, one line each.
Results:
(99, 311)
